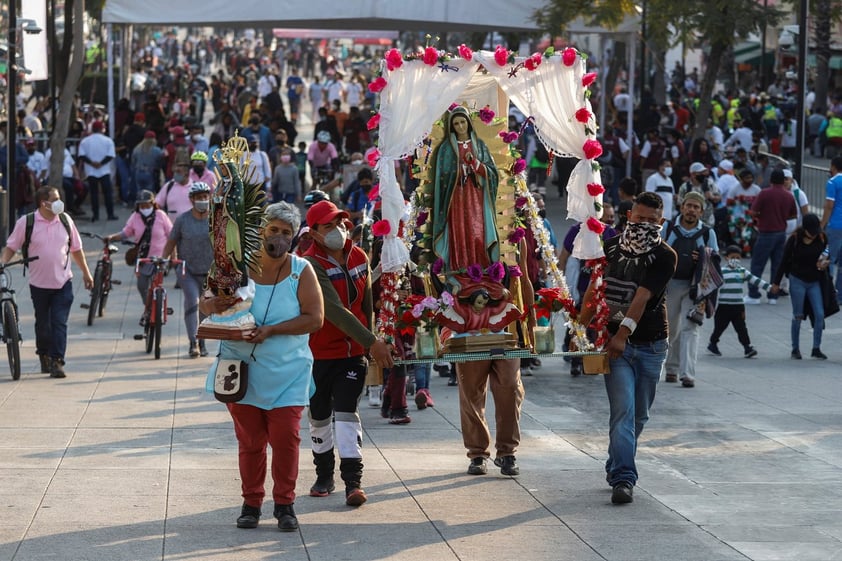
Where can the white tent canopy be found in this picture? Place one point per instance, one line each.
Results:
(433, 15)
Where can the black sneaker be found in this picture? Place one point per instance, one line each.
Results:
(477, 467)
(203, 350)
(287, 522)
(507, 465)
(194, 350)
(817, 353)
(355, 496)
(323, 487)
(45, 364)
(249, 517)
(714, 349)
(57, 370)
(575, 369)
(796, 354)
(623, 493)
(750, 352)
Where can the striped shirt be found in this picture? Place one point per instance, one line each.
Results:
(732, 291)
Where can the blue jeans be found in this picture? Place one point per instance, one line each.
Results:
(834, 244)
(798, 292)
(127, 194)
(631, 391)
(422, 376)
(52, 308)
(144, 180)
(767, 246)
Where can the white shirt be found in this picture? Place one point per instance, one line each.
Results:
(800, 201)
(662, 185)
(725, 184)
(354, 94)
(622, 102)
(38, 164)
(97, 147)
(741, 138)
(335, 90)
(265, 85)
(67, 166)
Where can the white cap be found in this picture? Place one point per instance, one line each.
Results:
(788, 173)
(726, 165)
(697, 167)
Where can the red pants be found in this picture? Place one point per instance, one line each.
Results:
(255, 428)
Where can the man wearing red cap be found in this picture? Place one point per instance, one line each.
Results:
(178, 150)
(96, 151)
(339, 350)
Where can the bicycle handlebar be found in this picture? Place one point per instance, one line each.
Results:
(18, 262)
(160, 262)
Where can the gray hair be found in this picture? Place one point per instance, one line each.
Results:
(284, 212)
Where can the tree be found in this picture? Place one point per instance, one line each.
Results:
(824, 14)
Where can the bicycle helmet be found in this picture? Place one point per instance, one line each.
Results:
(199, 187)
(199, 156)
(323, 136)
(314, 197)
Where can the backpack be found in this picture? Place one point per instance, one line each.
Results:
(27, 236)
(167, 186)
(684, 246)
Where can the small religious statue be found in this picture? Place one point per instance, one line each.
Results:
(464, 230)
(235, 222)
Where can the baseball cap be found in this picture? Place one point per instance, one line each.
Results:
(693, 196)
(777, 177)
(726, 165)
(177, 131)
(323, 212)
(323, 136)
(97, 126)
(139, 117)
(697, 167)
(149, 134)
(788, 173)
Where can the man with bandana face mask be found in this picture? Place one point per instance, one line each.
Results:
(189, 237)
(639, 266)
(339, 350)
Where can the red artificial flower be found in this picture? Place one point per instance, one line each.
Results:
(517, 235)
(595, 225)
(465, 52)
(486, 115)
(519, 166)
(394, 59)
(568, 57)
(509, 137)
(501, 55)
(583, 115)
(592, 149)
(431, 56)
(377, 85)
(533, 62)
(588, 79)
(595, 189)
(520, 202)
(374, 122)
(381, 228)
(373, 156)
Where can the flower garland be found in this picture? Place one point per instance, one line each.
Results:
(389, 303)
(599, 322)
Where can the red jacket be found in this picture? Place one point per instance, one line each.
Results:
(348, 305)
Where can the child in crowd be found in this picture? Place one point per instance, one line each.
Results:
(731, 309)
(301, 163)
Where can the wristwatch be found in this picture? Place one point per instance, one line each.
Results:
(629, 324)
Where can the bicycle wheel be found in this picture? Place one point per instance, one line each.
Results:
(106, 287)
(96, 294)
(159, 321)
(148, 332)
(10, 328)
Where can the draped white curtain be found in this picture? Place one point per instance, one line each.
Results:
(417, 94)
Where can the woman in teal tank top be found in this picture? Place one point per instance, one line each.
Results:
(287, 307)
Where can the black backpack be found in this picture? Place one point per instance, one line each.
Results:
(27, 235)
(684, 246)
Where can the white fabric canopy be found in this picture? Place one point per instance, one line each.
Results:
(417, 94)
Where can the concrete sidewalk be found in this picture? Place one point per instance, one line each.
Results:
(128, 459)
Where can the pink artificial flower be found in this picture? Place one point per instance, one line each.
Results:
(417, 310)
(486, 115)
(520, 202)
(514, 271)
(517, 235)
(421, 219)
(592, 149)
(519, 166)
(430, 303)
(501, 55)
(595, 225)
(377, 85)
(509, 137)
(588, 79)
(465, 52)
(437, 267)
(475, 272)
(568, 57)
(431, 56)
(595, 189)
(583, 115)
(381, 228)
(372, 156)
(496, 272)
(374, 122)
(447, 298)
(394, 59)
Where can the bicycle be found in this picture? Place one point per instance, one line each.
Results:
(155, 309)
(9, 327)
(102, 279)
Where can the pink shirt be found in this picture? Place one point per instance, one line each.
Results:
(321, 158)
(49, 243)
(161, 228)
(176, 200)
(208, 177)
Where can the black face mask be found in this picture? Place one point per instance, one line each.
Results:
(542, 213)
(276, 246)
(199, 170)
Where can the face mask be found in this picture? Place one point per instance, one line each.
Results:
(179, 178)
(356, 162)
(145, 212)
(335, 239)
(57, 206)
(542, 213)
(195, 137)
(285, 159)
(276, 246)
(199, 170)
(201, 206)
(668, 171)
(733, 263)
(640, 237)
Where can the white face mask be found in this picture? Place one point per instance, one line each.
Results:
(733, 263)
(57, 206)
(668, 171)
(335, 239)
(146, 211)
(356, 162)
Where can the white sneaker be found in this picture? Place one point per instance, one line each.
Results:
(773, 301)
(374, 396)
(749, 300)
